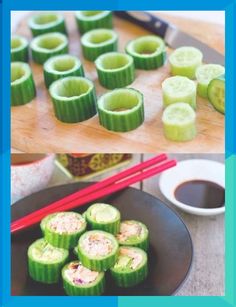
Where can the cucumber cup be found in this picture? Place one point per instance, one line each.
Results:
(46, 261)
(148, 52)
(61, 66)
(48, 45)
(131, 267)
(19, 49)
(205, 74)
(97, 250)
(184, 61)
(79, 280)
(179, 89)
(46, 23)
(104, 217)
(179, 122)
(133, 233)
(63, 229)
(216, 93)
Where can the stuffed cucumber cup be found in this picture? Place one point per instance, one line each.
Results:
(115, 69)
(61, 66)
(121, 110)
(79, 280)
(74, 99)
(216, 93)
(104, 217)
(19, 49)
(131, 267)
(63, 229)
(98, 250)
(46, 261)
(148, 52)
(46, 23)
(48, 45)
(89, 20)
(22, 84)
(133, 233)
(184, 61)
(98, 41)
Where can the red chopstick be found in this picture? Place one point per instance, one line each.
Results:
(95, 195)
(94, 187)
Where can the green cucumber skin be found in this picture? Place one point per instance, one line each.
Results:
(91, 54)
(112, 228)
(76, 110)
(188, 72)
(45, 273)
(50, 77)
(202, 90)
(41, 58)
(20, 55)
(149, 63)
(24, 92)
(143, 244)
(220, 81)
(126, 280)
(60, 27)
(71, 290)
(105, 22)
(116, 79)
(190, 99)
(180, 134)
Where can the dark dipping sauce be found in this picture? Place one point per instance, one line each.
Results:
(201, 194)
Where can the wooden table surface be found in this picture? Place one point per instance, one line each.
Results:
(35, 128)
(207, 274)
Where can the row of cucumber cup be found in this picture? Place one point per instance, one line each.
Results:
(122, 109)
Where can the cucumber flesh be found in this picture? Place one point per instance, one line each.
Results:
(216, 93)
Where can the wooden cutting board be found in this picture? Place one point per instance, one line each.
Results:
(34, 127)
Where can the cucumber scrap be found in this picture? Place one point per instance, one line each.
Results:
(216, 93)
(19, 49)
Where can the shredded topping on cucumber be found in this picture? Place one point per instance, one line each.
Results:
(66, 222)
(80, 275)
(129, 258)
(43, 251)
(130, 230)
(103, 213)
(97, 244)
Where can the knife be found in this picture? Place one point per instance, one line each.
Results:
(171, 34)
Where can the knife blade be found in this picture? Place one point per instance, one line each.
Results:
(173, 36)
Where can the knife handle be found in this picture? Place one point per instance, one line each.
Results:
(145, 20)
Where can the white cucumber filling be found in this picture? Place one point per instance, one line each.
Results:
(103, 213)
(18, 42)
(207, 72)
(66, 223)
(49, 42)
(44, 252)
(45, 20)
(178, 114)
(91, 15)
(19, 72)
(62, 64)
(146, 46)
(131, 230)
(79, 275)
(186, 56)
(178, 86)
(98, 37)
(113, 61)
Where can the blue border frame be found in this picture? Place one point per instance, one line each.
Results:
(230, 8)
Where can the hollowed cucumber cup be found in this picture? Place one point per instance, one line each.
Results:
(73, 98)
(148, 52)
(47, 45)
(46, 23)
(45, 261)
(89, 20)
(121, 110)
(22, 84)
(61, 66)
(115, 69)
(98, 41)
(19, 49)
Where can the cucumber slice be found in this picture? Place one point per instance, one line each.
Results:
(79, 280)
(133, 233)
(184, 61)
(121, 110)
(148, 52)
(98, 41)
(63, 229)
(104, 217)
(89, 20)
(48, 45)
(131, 267)
(179, 89)
(61, 66)
(22, 84)
(179, 122)
(97, 250)
(115, 69)
(46, 23)
(46, 261)
(19, 49)
(216, 93)
(74, 99)
(205, 74)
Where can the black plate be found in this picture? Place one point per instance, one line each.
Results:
(170, 254)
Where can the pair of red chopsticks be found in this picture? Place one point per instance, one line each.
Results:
(100, 189)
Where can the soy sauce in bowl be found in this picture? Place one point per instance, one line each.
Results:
(200, 194)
